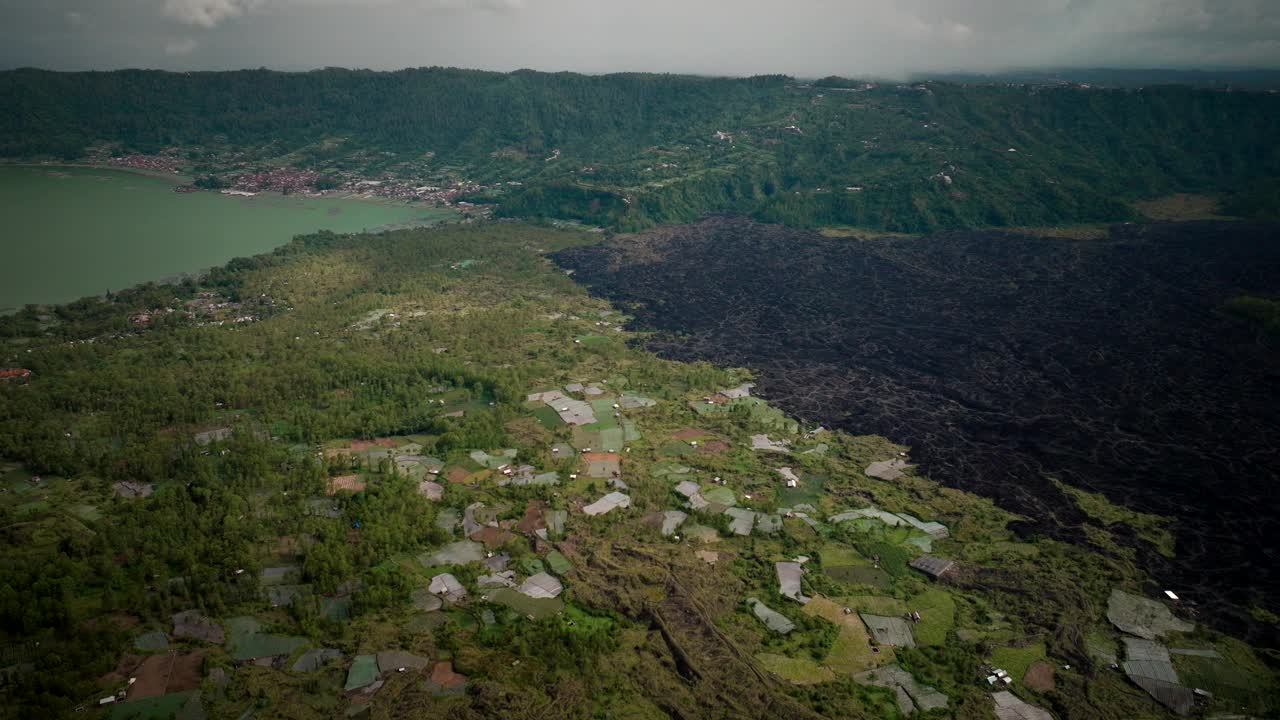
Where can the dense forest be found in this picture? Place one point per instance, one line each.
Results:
(631, 150)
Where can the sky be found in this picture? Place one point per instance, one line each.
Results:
(805, 38)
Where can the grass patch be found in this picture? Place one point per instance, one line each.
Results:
(863, 574)
(539, 608)
(851, 652)
(595, 342)
(547, 417)
(1181, 206)
(1152, 528)
(833, 554)
(801, 670)
(160, 707)
(1017, 660)
(937, 616)
(859, 233)
(808, 491)
(1093, 231)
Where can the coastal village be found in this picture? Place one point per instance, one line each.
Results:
(252, 180)
(689, 519)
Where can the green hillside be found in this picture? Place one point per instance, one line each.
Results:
(630, 150)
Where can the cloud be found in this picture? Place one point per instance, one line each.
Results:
(211, 13)
(808, 38)
(207, 13)
(178, 47)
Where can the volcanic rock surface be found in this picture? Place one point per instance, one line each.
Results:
(1004, 361)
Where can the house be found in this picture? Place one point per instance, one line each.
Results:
(607, 503)
(934, 567)
(15, 374)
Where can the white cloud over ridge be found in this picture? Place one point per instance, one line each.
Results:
(211, 13)
(207, 13)
(883, 38)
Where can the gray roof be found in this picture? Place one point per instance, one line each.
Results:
(312, 660)
(772, 619)
(1148, 665)
(541, 585)
(768, 524)
(457, 553)
(503, 578)
(1148, 659)
(1140, 616)
(671, 521)
(886, 469)
(687, 488)
(392, 660)
(555, 520)
(211, 436)
(1011, 707)
(910, 694)
(130, 489)
(743, 520)
(762, 442)
(888, 630)
(932, 566)
(573, 412)
(607, 503)
(194, 624)
(425, 601)
(789, 574)
(448, 587)
(632, 402)
(934, 529)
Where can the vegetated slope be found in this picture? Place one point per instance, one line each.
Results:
(631, 150)
(1007, 362)
(260, 455)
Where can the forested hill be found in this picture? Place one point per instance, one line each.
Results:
(629, 150)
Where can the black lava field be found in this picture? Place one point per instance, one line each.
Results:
(1005, 360)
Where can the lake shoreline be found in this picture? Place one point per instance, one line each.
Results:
(181, 179)
(87, 228)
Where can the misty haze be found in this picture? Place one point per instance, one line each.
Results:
(534, 359)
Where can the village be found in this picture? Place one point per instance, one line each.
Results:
(245, 181)
(518, 519)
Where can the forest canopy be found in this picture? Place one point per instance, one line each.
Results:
(630, 150)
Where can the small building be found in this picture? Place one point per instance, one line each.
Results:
(607, 503)
(541, 585)
(448, 587)
(934, 567)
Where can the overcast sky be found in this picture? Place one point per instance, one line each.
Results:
(729, 37)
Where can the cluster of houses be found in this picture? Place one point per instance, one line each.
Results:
(207, 308)
(167, 162)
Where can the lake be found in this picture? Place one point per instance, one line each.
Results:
(72, 232)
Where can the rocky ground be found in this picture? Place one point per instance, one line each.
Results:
(1007, 361)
